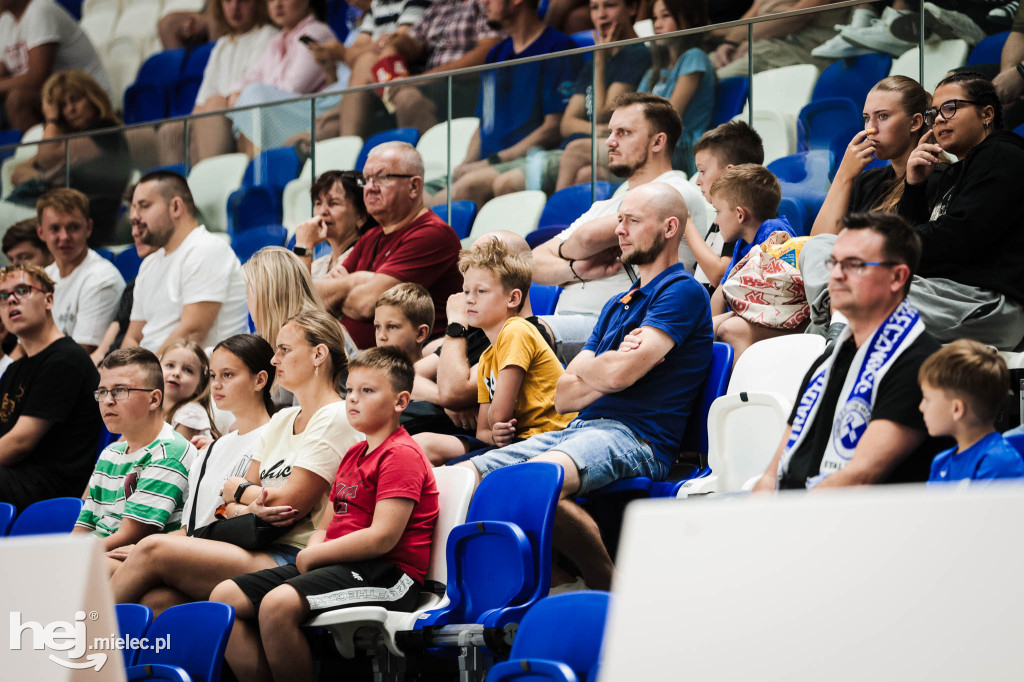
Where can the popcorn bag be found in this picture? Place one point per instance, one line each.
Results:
(385, 70)
(767, 288)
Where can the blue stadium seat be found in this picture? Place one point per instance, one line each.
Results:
(543, 234)
(805, 176)
(499, 561)
(258, 201)
(463, 215)
(559, 639)
(410, 135)
(198, 634)
(1019, 130)
(106, 253)
(829, 124)
(128, 263)
(246, 243)
(149, 97)
(7, 513)
(989, 50)
(583, 38)
(730, 96)
(74, 8)
(544, 298)
(796, 212)
(852, 78)
(337, 18)
(132, 622)
(49, 516)
(183, 97)
(1017, 441)
(8, 137)
(566, 205)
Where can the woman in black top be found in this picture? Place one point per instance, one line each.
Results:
(893, 125)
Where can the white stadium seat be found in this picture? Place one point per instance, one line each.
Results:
(517, 212)
(212, 181)
(433, 146)
(939, 58)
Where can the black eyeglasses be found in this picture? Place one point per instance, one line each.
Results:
(947, 109)
(856, 265)
(382, 178)
(19, 292)
(119, 393)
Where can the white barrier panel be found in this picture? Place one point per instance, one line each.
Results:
(56, 611)
(886, 583)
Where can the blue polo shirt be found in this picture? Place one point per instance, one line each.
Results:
(780, 224)
(989, 458)
(657, 406)
(514, 100)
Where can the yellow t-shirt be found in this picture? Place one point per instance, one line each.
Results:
(519, 344)
(319, 449)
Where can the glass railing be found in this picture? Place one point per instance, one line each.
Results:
(470, 125)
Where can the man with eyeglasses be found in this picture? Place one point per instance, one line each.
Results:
(140, 483)
(409, 244)
(49, 427)
(856, 419)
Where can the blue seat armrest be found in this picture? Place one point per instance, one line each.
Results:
(531, 668)
(157, 671)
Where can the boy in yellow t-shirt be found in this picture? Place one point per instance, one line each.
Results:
(517, 374)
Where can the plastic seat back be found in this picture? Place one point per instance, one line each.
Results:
(544, 298)
(796, 213)
(48, 516)
(433, 146)
(128, 263)
(695, 438)
(132, 622)
(462, 216)
(211, 181)
(246, 243)
(805, 176)
(410, 135)
(989, 50)
(273, 167)
(543, 234)
(565, 628)
(828, 124)
(852, 78)
(939, 59)
(7, 514)
(1017, 441)
(730, 98)
(744, 431)
(336, 153)
(198, 635)
(517, 212)
(785, 90)
(777, 131)
(98, 24)
(566, 205)
(454, 493)
(776, 365)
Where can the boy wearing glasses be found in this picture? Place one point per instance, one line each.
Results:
(140, 483)
(49, 428)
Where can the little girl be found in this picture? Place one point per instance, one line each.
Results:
(187, 390)
(240, 380)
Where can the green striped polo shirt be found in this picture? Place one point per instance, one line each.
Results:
(150, 485)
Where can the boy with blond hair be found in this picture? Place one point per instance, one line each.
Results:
(404, 317)
(371, 548)
(962, 387)
(518, 373)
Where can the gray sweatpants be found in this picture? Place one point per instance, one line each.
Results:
(949, 310)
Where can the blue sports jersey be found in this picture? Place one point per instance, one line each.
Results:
(657, 405)
(989, 458)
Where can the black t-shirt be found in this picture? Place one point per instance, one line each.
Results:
(123, 314)
(56, 384)
(869, 187)
(897, 400)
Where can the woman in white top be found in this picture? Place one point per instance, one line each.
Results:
(240, 379)
(246, 31)
(287, 482)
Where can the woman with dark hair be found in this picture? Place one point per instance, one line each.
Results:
(339, 218)
(969, 216)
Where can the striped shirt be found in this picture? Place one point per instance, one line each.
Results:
(385, 16)
(149, 486)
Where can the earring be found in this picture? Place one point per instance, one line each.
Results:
(317, 372)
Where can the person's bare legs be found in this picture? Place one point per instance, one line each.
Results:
(413, 109)
(282, 613)
(190, 565)
(162, 598)
(741, 335)
(476, 186)
(508, 182)
(353, 112)
(171, 143)
(181, 29)
(440, 447)
(575, 157)
(244, 652)
(211, 135)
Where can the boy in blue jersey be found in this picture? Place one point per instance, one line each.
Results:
(962, 386)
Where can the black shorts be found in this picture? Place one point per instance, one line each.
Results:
(365, 583)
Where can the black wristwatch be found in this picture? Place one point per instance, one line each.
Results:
(456, 330)
(1020, 69)
(240, 489)
(494, 159)
(301, 251)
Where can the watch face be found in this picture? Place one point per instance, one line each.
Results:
(455, 329)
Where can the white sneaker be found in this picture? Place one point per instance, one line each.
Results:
(939, 23)
(836, 47)
(575, 586)
(877, 37)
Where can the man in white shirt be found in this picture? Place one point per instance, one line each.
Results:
(39, 38)
(88, 286)
(192, 286)
(584, 258)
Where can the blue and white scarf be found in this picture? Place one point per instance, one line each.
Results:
(853, 413)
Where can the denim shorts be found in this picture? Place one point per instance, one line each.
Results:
(604, 451)
(282, 554)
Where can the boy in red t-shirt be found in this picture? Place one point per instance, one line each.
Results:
(371, 548)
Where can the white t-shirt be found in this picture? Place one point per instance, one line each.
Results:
(202, 269)
(231, 456)
(85, 302)
(589, 298)
(318, 449)
(43, 22)
(193, 416)
(230, 59)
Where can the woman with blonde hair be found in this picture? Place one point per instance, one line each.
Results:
(99, 165)
(286, 485)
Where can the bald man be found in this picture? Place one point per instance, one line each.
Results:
(633, 384)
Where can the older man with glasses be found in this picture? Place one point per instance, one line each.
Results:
(856, 420)
(49, 426)
(410, 244)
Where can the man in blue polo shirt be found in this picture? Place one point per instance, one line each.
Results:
(519, 107)
(633, 384)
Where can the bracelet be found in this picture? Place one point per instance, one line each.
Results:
(733, 43)
(573, 270)
(560, 245)
(494, 159)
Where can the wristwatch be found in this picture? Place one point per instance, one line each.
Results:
(240, 489)
(1020, 69)
(456, 330)
(301, 251)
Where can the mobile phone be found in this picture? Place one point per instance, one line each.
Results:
(308, 40)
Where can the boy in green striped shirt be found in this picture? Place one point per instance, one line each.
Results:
(140, 483)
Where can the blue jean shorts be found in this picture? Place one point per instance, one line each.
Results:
(282, 554)
(604, 451)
